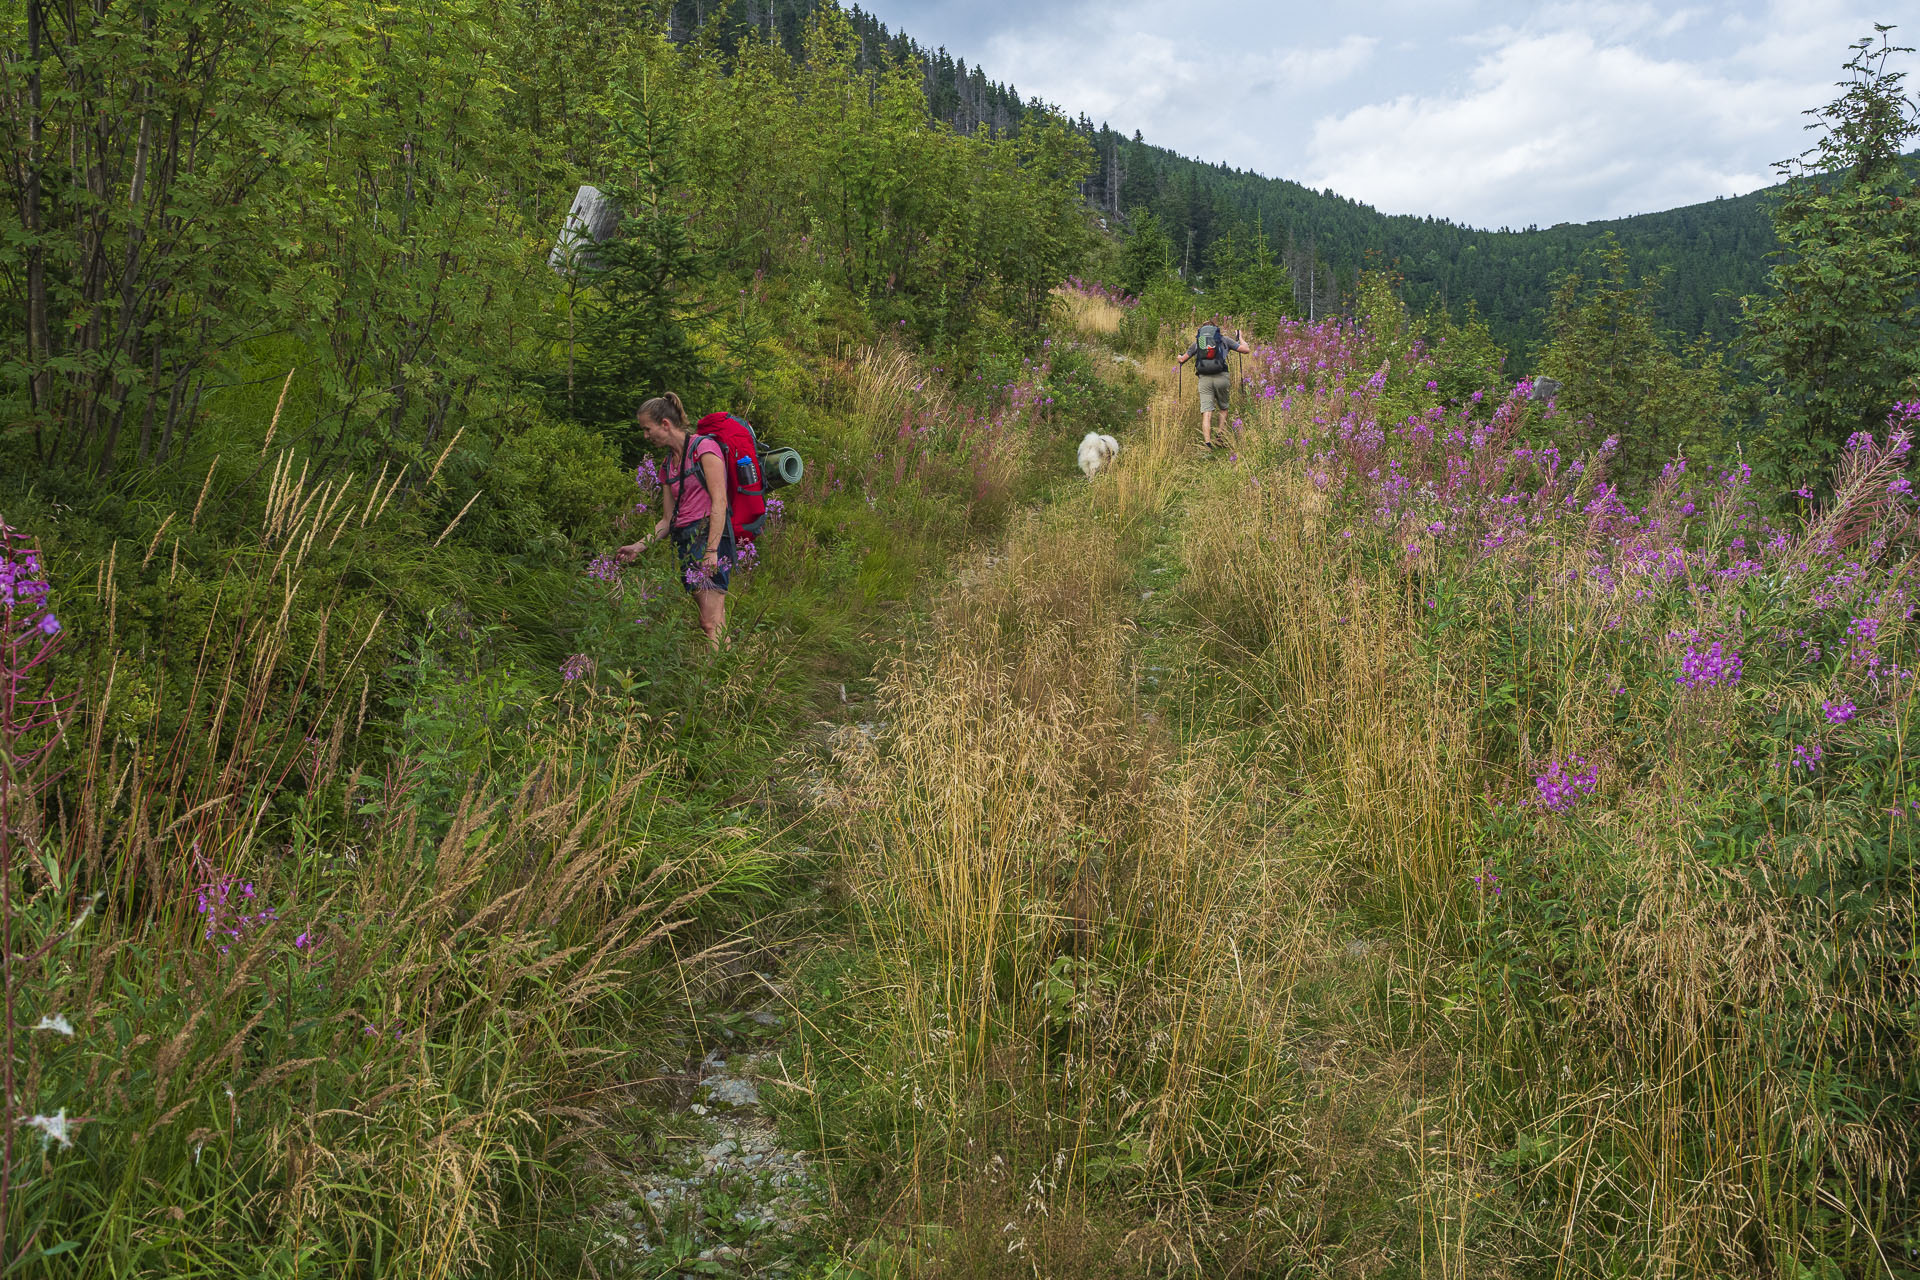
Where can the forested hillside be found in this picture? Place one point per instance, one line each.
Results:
(1710, 253)
(1704, 256)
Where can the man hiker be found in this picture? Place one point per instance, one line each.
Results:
(1209, 351)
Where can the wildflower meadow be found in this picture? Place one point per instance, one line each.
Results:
(1393, 841)
(1461, 827)
(1629, 766)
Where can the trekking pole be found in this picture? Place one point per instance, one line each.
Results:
(1245, 389)
(1240, 365)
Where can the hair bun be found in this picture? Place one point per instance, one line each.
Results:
(665, 407)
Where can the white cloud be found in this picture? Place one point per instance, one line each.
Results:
(1146, 65)
(1493, 112)
(1561, 125)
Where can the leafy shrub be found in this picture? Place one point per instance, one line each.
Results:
(1166, 302)
(554, 486)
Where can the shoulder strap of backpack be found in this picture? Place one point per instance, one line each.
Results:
(690, 451)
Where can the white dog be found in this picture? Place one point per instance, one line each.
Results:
(1096, 451)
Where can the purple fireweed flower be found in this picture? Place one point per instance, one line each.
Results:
(1806, 756)
(20, 583)
(23, 606)
(1839, 712)
(1711, 668)
(1564, 784)
(224, 903)
(576, 667)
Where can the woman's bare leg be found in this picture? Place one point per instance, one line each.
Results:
(713, 614)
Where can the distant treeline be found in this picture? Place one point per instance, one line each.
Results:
(1710, 253)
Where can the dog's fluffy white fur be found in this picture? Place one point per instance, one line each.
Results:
(1096, 451)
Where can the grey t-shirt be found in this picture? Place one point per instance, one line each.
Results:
(1226, 344)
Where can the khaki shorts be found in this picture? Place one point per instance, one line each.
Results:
(1214, 390)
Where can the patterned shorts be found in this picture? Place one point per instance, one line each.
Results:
(690, 541)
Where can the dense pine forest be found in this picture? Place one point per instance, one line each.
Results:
(1459, 825)
(1703, 257)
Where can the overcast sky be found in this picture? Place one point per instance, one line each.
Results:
(1489, 112)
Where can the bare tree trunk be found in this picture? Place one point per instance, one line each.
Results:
(153, 399)
(1313, 280)
(39, 339)
(193, 410)
(173, 413)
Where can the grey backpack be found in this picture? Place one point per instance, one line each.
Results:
(1212, 346)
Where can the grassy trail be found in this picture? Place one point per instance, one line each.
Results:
(1091, 995)
(1202, 920)
(709, 1181)
(1179, 918)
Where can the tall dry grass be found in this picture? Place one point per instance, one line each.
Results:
(1092, 1056)
(1089, 314)
(904, 427)
(1630, 1083)
(1215, 974)
(1318, 644)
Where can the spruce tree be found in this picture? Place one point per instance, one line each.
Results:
(636, 319)
(1838, 341)
(1147, 255)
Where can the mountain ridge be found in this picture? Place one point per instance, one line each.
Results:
(1706, 254)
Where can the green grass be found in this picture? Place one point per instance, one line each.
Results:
(513, 896)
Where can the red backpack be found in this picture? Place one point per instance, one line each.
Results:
(746, 486)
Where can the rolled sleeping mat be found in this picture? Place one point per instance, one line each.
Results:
(782, 467)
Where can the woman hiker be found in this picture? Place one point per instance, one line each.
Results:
(693, 496)
(1215, 383)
